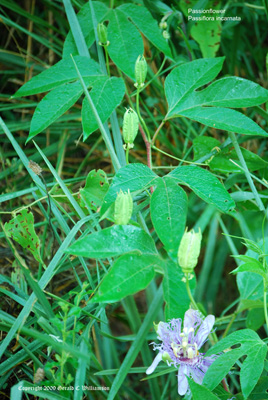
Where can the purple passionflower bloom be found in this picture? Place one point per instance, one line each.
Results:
(180, 347)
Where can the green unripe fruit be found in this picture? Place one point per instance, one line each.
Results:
(189, 250)
(102, 34)
(130, 126)
(140, 71)
(123, 208)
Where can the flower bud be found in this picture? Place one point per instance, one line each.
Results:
(163, 25)
(166, 35)
(102, 34)
(123, 208)
(189, 250)
(140, 71)
(130, 126)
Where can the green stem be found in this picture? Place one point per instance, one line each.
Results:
(230, 324)
(176, 158)
(190, 293)
(247, 174)
(107, 60)
(140, 117)
(127, 154)
(157, 131)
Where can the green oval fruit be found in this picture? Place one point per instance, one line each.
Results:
(123, 208)
(189, 250)
(130, 126)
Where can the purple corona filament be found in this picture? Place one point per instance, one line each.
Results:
(180, 347)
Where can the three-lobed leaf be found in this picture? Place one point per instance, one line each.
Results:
(206, 106)
(251, 346)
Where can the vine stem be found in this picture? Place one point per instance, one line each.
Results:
(148, 147)
(157, 131)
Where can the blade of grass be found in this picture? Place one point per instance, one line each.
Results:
(137, 344)
(80, 375)
(76, 29)
(108, 143)
(247, 174)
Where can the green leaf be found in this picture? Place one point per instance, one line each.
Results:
(208, 35)
(255, 319)
(200, 392)
(21, 229)
(144, 21)
(182, 81)
(85, 21)
(184, 100)
(96, 187)
(114, 241)
(251, 346)
(132, 177)
(106, 94)
(205, 185)
(222, 161)
(255, 267)
(168, 213)
(224, 118)
(260, 390)
(250, 285)
(128, 275)
(175, 293)
(60, 73)
(125, 42)
(53, 105)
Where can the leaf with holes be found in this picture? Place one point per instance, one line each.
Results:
(205, 185)
(207, 106)
(96, 187)
(21, 229)
(251, 346)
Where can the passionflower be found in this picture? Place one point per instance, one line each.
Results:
(180, 347)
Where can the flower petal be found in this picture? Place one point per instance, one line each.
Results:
(155, 363)
(191, 319)
(204, 330)
(182, 380)
(197, 375)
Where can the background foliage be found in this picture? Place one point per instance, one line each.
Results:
(63, 307)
